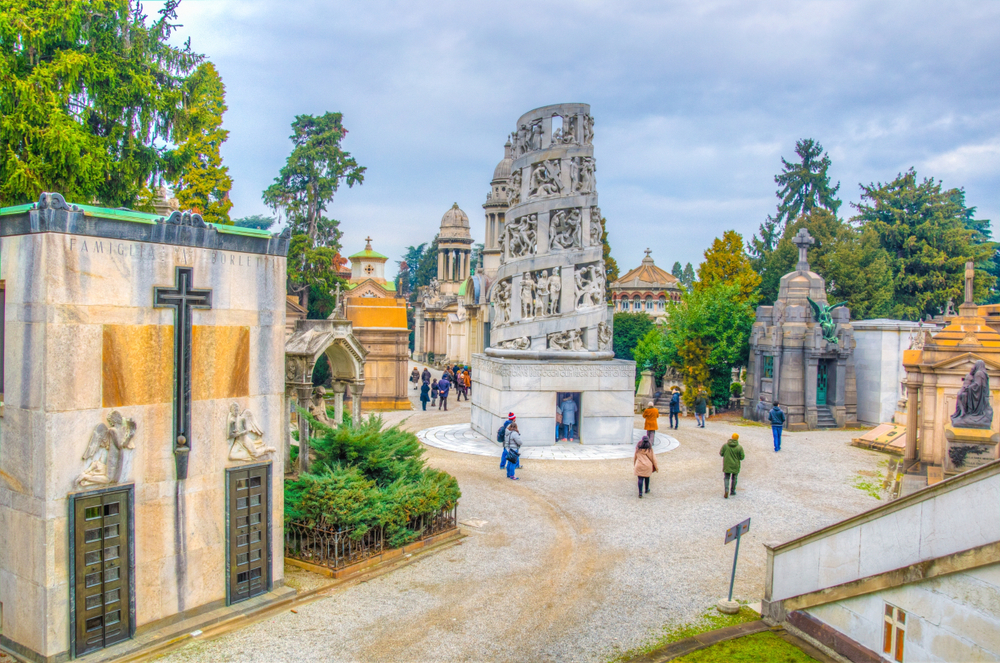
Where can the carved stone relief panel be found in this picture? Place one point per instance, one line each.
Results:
(105, 453)
(545, 179)
(595, 226)
(514, 189)
(581, 171)
(540, 293)
(571, 340)
(519, 343)
(588, 130)
(521, 235)
(501, 303)
(244, 435)
(565, 229)
(535, 132)
(604, 336)
(590, 281)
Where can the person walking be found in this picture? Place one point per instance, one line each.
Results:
(444, 386)
(675, 408)
(426, 376)
(502, 438)
(732, 455)
(460, 387)
(513, 446)
(434, 392)
(568, 411)
(415, 377)
(467, 376)
(777, 418)
(644, 463)
(425, 394)
(651, 415)
(700, 407)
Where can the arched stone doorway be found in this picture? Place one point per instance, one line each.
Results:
(334, 339)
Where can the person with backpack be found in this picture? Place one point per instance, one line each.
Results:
(651, 416)
(644, 463)
(513, 444)
(777, 418)
(444, 386)
(434, 392)
(700, 407)
(732, 455)
(675, 408)
(425, 394)
(502, 438)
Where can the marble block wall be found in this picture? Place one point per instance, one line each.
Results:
(528, 389)
(82, 339)
(878, 364)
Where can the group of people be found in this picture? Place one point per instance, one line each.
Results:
(436, 392)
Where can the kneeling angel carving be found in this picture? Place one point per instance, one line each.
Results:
(106, 451)
(245, 435)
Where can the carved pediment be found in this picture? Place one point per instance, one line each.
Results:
(964, 362)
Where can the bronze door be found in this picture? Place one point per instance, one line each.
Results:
(101, 548)
(249, 517)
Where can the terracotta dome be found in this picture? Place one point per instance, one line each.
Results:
(502, 171)
(455, 224)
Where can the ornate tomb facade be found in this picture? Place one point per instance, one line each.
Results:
(550, 330)
(140, 443)
(802, 353)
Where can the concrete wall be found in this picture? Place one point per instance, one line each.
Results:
(83, 340)
(951, 618)
(878, 362)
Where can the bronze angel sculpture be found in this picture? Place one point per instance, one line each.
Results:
(106, 451)
(825, 320)
(245, 435)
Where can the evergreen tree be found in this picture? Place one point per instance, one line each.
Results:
(201, 182)
(303, 189)
(677, 271)
(89, 92)
(924, 232)
(726, 262)
(427, 266)
(258, 221)
(803, 186)
(610, 264)
(629, 329)
(412, 258)
(689, 278)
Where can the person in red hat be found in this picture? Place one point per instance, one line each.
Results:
(502, 438)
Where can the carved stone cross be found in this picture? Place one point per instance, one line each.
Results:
(803, 240)
(182, 298)
(648, 252)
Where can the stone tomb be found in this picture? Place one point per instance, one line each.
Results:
(551, 327)
(140, 443)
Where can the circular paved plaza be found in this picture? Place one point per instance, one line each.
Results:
(568, 564)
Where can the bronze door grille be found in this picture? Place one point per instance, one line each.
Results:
(249, 514)
(102, 571)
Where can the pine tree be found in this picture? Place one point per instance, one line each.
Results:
(688, 279)
(677, 271)
(88, 97)
(201, 182)
(610, 264)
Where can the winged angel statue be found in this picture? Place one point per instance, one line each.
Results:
(825, 320)
(106, 451)
(244, 434)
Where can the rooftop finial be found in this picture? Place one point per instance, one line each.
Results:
(368, 243)
(803, 240)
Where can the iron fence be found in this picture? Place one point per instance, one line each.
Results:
(337, 548)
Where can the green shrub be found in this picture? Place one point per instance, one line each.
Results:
(368, 476)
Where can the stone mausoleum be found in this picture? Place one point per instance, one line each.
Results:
(550, 332)
(802, 353)
(141, 445)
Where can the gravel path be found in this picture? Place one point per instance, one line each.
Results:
(570, 565)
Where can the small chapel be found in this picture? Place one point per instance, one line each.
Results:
(802, 353)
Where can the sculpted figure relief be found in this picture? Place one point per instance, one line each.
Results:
(972, 407)
(542, 294)
(244, 435)
(527, 296)
(582, 174)
(545, 179)
(589, 286)
(554, 288)
(564, 229)
(595, 226)
(105, 453)
(501, 303)
(514, 189)
(604, 336)
(521, 234)
(318, 406)
(568, 340)
(535, 136)
(520, 343)
(588, 130)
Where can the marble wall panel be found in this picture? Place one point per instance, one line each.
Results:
(606, 430)
(24, 365)
(220, 362)
(887, 543)
(22, 452)
(24, 611)
(839, 558)
(137, 365)
(73, 354)
(607, 403)
(951, 522)
(57, 624)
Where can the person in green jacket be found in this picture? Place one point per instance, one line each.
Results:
(700, 407)
(732, 454)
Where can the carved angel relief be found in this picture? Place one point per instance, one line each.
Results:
(244, 435)
(105, 453)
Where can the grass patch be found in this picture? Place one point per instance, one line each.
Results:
(754, 648)
(710, 620)
(751, 423)
(871, 482)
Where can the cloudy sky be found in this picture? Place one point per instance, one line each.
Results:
(695, 103)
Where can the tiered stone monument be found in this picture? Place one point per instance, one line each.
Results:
(802, 353)
(949, 400)
(551, 332)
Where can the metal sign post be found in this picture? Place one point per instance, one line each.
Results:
(735, 533)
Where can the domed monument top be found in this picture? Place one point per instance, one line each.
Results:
(455, 224)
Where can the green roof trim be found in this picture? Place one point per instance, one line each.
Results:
(461, 289)
(368, 254)
(237, 230)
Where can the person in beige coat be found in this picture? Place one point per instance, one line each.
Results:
(644, 463)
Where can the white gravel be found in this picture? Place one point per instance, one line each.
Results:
(570, 565)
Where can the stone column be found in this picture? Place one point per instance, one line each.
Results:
(339, 387)
(418, 333)
(286, 425)
(356, 389)
(440, 274)
(811, 375)
(304, 392)
(912, 394)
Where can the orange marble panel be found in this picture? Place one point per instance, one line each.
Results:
(220, 362)
(137, 366)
